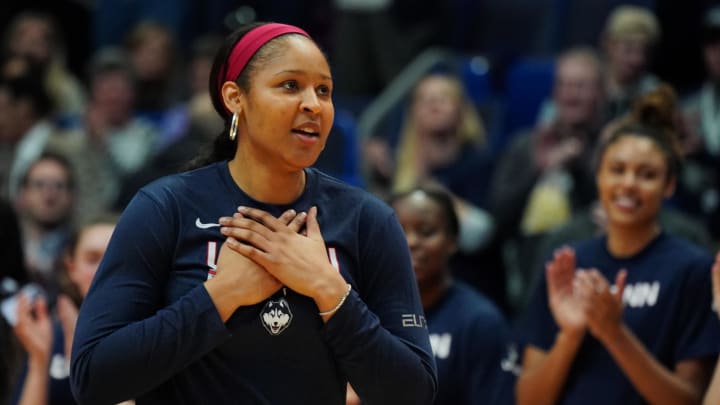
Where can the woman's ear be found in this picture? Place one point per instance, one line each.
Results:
(233, 97)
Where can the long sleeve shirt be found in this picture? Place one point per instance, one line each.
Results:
(148, 329)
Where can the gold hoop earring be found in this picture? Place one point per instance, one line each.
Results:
(233, 126)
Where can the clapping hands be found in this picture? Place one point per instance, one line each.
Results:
(583, 300)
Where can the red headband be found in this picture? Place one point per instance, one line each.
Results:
(249, 44)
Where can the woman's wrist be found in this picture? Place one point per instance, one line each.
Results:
(331, 296)
(339, 304)
(611, 334)
(39, 361)
(222, 298)
(571, 337)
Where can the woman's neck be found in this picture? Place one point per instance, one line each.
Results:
(626, 242)
(438, 149)
(432, 291)
(615, 86)
(265, 185)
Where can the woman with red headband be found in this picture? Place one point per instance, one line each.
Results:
(252, 278)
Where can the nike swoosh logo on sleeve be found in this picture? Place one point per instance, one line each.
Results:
(205, 226)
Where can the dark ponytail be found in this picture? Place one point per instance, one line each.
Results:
(222, 148)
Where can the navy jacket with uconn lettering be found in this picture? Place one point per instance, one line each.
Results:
(469, 337)
(668, 301)
(148, 329)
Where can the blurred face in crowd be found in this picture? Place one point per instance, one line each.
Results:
(711, 52)
(32, 37)
(633, 181)
(627, 58)
(427, 231)
(577, 91)
(152, 55)
(113, 95)
(46, 197)
(199, 72)
(437, 105)
(83, 261)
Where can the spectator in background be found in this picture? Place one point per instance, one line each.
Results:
(699, 186)
(468, 333)
(628, 38)
(11, 252)
(202, 114)
(113, 142)
(160, 77)
(25, 126)
(45, 206)
(12, 275)
(375, 40)
(47, 336)
(36, 36)
(113, 20)
(442, 141)
(156, 63)
(442, 135)
(546, 174)
(204, 124)
(712, 396)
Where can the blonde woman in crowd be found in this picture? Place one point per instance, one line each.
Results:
(627, 42)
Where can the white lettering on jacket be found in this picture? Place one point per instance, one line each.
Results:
(440, 344)
(640, 295)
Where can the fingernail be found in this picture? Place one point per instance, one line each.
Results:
(224, 220)
(224, 230)
(242, 208)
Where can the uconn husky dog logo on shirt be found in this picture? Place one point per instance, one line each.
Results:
(276, 316)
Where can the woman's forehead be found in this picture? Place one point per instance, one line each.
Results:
(636, 147)
(289, 48)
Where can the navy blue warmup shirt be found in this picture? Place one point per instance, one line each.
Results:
(148, 329)
(667, 298)
(469, 337)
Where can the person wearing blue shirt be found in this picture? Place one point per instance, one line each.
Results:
(468, 333)
(253, 278)
(625, 317)
(713, 393)
(45, 333)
